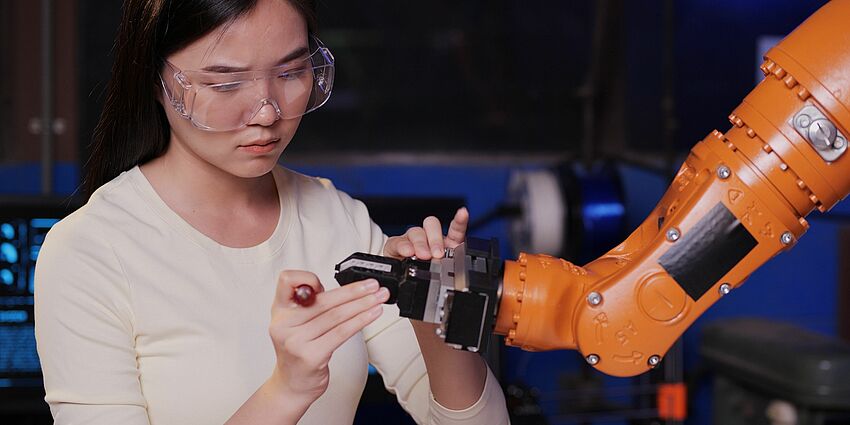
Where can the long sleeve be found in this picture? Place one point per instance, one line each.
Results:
(394, 351)
(84, 330)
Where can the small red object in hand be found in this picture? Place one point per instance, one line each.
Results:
(304, 295)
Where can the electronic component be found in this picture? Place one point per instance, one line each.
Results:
(458, 292)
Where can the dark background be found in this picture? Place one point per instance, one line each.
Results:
(442, 100)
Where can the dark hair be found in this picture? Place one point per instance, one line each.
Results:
(133, 128)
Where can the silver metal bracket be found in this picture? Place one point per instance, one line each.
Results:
(820, 132)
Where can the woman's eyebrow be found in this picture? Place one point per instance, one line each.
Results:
(295, 54)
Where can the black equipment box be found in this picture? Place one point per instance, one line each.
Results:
(758, 361)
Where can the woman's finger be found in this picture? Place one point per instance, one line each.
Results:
(333, 317)
(326, 301)
(457, 228)
(399, 246)
(335, 337)
(417, 236)
(434, 233)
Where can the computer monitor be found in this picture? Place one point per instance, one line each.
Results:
(23, 226)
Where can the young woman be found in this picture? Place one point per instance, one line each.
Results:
(152, 300)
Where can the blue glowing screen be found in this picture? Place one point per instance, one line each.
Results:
(22, 233)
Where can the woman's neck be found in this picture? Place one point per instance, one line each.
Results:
(234, 211)
(181, 175)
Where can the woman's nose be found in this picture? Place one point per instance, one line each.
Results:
(267, 114)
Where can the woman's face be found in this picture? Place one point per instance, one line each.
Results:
(262, 39)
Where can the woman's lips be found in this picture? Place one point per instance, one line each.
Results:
(261, 147)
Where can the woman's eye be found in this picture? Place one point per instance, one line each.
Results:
(226, 87)
(291, 74)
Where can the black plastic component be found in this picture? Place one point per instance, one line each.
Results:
(388, 279)
(484, 271)
(464, 324)
(781, 360)
(708, 251)
(407, 280)
(469, 313)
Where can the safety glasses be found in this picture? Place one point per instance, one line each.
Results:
(216, 101)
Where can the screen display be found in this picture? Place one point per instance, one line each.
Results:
(23, 228)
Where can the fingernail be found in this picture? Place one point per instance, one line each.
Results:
(436, 252)
(383, 294)
(370, 285)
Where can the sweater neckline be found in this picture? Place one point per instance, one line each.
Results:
(254, 254)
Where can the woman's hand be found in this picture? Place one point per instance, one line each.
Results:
(427, 242)
(456, 377)
(305, 337)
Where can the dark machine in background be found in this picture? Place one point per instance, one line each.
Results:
(23, 226)
(768, 372)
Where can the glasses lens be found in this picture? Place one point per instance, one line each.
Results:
(227, 101)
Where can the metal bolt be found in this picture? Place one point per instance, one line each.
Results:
(723, 172)
(592, 359)
(472, 349)
(654, 360)
(787, 238)
(673, 234)
(839, 143)
(594, 298)
(804, 120)
(725, 289)
(822, 133)
(439, 331)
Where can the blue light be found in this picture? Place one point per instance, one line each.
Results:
(34, 250)
(8, 253)
(13, 316)
(8, 231)
(608, 209)
(43, 223)
(7, 277)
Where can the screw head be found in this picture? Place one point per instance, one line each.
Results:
(439, 331)
(725, 289)
(804, 120)
(839, 143)
(594, 298)
(822, 133)
(592, 359)
(787, 238)
(723, 172)
(673, 234)
(654, 360)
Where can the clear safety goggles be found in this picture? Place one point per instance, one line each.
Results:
(216, 101)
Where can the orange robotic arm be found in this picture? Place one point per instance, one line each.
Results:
(739, 199)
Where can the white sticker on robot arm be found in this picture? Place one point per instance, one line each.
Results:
(355, 262)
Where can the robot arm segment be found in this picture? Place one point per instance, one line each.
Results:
(739, 199)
